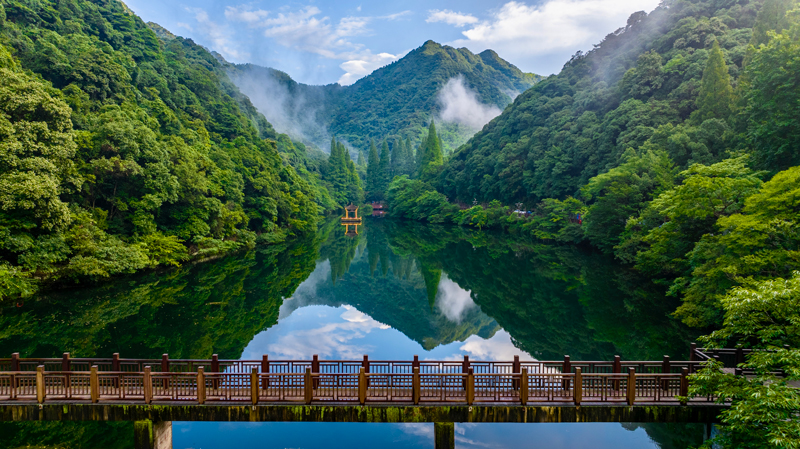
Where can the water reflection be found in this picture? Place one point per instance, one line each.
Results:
(392, 291)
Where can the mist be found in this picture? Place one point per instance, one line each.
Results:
(291, 113)
(453, 301)
(460, 104)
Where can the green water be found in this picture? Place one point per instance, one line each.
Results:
(396, 290)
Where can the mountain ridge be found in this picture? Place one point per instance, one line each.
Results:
(395, 101)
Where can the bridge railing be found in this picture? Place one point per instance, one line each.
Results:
(361, 387)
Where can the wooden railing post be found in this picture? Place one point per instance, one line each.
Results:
(523, 387)
(365, 365)
(415, 386)
(515, 369)
(631, 396)
(309, 388)
(265, 370)
(692, 352)
(415, 363)
(215, 370)
(66, 367)
(94, 384)
(578, 391)
(739, 355)
(254, 385)
(315, 370)
(684, 383)
(464, 370)
(470, 387)
(15, 367)
(115, 366)
(201, 385)
(665, 369)
(566, 369)
(147, 385)
(40, 390)
(362, 386)
(616, 369)
(165, 369)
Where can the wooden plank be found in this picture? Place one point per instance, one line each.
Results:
(631, 396)
(40, 391)
(147, 383)
(362, 386)
(201, 385)
(254, 385)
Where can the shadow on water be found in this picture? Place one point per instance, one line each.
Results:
(552, 300)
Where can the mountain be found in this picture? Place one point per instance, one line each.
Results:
(397, 100)
(637, 87)
(123, 148)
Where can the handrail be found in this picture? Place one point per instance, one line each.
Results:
(361, 387)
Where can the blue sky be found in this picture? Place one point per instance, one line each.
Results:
(326, 41)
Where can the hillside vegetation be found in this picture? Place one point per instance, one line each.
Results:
(397, 101)
(121, 151)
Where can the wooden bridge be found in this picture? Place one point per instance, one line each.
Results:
(157, 391)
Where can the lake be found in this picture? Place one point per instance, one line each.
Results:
(395, 290)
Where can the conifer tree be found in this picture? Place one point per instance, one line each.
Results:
(716, 94)
(373, 169)
(432, 156)
(361, 162)
(397, 153)
(385, 175)
(408, 158)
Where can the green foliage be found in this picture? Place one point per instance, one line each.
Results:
(120, 151)
(628, 90)
(622, 193)
(763, 411)
(430, 157)
(772, 100)
(715, 96)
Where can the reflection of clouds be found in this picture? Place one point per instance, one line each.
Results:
(418, 429)
(499, 347)
(453, 301)
(329, 339)
(306, 292)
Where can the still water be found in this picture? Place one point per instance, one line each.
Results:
(394, 291)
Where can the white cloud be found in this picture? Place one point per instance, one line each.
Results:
(460, 104)
(218, 34)
(519, 30)
(499, 347)
(453, 301)
(357, 68)
(450, 17)
(310, 31)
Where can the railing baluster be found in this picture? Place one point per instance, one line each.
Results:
(631, 397)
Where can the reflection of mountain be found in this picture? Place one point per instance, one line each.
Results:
(394, 290)
(192, 312)
(553, 300)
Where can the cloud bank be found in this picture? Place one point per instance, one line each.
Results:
(460, 104)
(555, 28)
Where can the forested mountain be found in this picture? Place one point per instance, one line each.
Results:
(396, 101)
(639, 85)
(120, 150)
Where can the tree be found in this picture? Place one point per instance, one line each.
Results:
(716, 94)
(772, 101)
(763, 315)
(431, 155)
(373, 173)
(385, 172)
(622, 193)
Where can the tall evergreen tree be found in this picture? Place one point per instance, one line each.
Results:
(432, 156)
(361, 162)
(385, 169)
(716, 94)
(373, 170)
(408, 158)
(397, 153)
